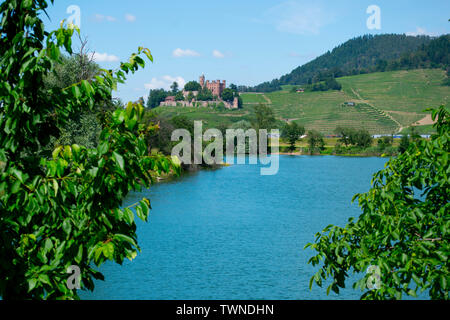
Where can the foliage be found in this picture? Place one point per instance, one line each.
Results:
(315, 141)
(64, 209)
(350, 136)
(328, 83)
(356, 56)
(70, 70)
(264, 118)
(155, 97)
(174, 88)
(161, 139)
(345, 134)
(84, 127)
(84, 131)
(240, 101)
(404, 143)
(181, 122)
(403, 231)
(244, 125)
(435, 54)
(292, 132)
(192, 86)
(362, 139)
(385, 142)
(234, 87)
(204, 95)
(179, 96)
(227, 95)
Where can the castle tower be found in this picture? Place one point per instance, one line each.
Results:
(202, 80)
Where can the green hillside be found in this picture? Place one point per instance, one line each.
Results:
(356, 56)
(385, 102)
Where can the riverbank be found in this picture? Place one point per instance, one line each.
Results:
(357, 155)
(347, 152)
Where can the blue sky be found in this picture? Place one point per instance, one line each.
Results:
(242, 41)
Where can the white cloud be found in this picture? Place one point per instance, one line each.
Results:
(421, 32)
(297, 17)
(104, 57)
(101, 17)
(218, 54)
(165, 82)
(178, 53)
(130, 17)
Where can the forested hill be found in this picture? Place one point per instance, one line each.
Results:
(359, 55)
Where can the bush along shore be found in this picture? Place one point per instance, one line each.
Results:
(382, 147)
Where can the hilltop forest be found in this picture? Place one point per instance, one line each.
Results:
(366, 54)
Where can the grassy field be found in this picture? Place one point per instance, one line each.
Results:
(385, 103)
(211, 118)
(402, 94)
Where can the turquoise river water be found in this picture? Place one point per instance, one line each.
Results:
(234, 234)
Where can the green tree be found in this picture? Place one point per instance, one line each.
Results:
(315, 141)
(83, 127)
(292, 132)
(345, 134)
(182, 122)
(413, 134)
(63, 209)
(155, 97)
(205, 95)
(179, 96)
(240, 101)
(363, 139)
(403, 231)
(264, 118)
(385, 142)
(190, 97)
(227, 95)
(243, 124)
(404, 143)
(174, 88)
(234, 87)
(192, 86)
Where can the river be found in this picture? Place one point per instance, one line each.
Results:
(234, 234)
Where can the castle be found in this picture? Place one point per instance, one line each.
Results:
(216, 87)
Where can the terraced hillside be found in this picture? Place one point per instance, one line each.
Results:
(401, 94)
(324, 111)
(384, 103)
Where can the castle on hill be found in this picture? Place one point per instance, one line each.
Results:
(216, 88)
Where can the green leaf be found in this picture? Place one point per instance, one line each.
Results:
(55, 187)
(32, 284)
(79, 255)
(97, 253)
(44, 279)
(48, 245)
(67, 226)
(140, 213)
(18, 174)
(144, 206)
(108, 250)
(129, 216)
(119, 160)
(125, 238)
(103, 148)
(56, 152)
(76, 92)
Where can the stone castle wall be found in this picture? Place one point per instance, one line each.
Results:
(216, 88)
(228, 105)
